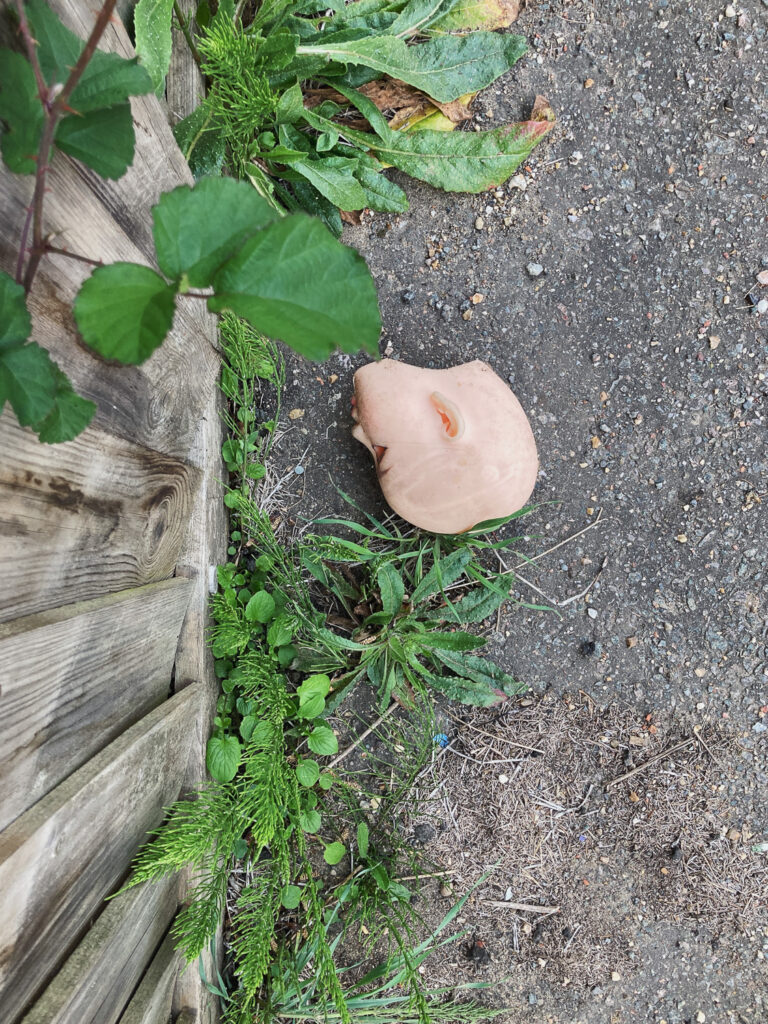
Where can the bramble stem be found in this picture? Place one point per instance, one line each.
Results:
(48, 249)
(184, 26)
(54, 105)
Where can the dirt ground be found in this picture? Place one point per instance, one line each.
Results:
(641, 357)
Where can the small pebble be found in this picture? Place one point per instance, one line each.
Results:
(592, 613)
(535, 269)
(518, 181)
(762, 306)
(762, 277)
(298, 470)
(479, 223)
(730, 11)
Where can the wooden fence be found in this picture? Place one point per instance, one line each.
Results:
(106, 688)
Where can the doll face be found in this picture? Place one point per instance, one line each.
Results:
(452, 447)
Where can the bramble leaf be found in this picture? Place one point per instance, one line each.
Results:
(70, 415)
(202, 144)
(15, 321)
(152, 25)
(222, 757)
(444, 67)
(124, 311)
(197, 229)
(317, 295)
(102, 139)
(21, 109)
(28, 382)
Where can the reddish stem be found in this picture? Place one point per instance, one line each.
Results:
(54, 106)
(65, 252)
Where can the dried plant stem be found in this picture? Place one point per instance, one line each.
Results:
(533, 908)
(55, 104)
(340, 757)
(649, 762)
(184, 26)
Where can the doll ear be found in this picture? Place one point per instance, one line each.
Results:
(452, 419)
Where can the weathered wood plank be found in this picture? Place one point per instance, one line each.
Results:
(152, 1002)
(89, 517)
(96, 983)
(158, 404)
(63, 856)
(184, 86)
(78, 676)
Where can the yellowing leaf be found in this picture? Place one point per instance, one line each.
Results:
(471, 15)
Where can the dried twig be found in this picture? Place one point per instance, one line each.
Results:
(531, 908)
(340, 757)
(649, 762)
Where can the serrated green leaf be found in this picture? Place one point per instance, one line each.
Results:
(290, 897)
(222, 757)
(318, 294)
(322, 740)
(444, 68)
(466, 691)
(362, 839)
(475, 607)
(70, 415)
(21, 109)
(201, 142)
(108, 79)
(197, 229)
(333, 853)
(28, 381)
(15, 321)
(391, 589)
(261, 607)
(307, 772)
(481, 671)
(152, 25)
(102, 139)
(458, 641)
(124, 311)
(442, 573)
(381, 194)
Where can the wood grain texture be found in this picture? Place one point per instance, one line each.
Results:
(152, 1002)
(97, 981)
(75, 678)
(62, 857)
(184, 86)
(85, 518)
(158, 404)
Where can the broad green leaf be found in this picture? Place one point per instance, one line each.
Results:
(102, 139)
(222, 757)
(197, 229)
(280, 631)
(202, 143)
(443, 572)
(309, 199)
(290, 897)
(261, 607)
(22, 111)
(334, 178)
(295, 282)
(152, 25)
(391, 589)
(436, 641)
(418, 15)
(15, 321)
(362, 839)
(247, 726)
(477, 15)
(307, 772)
(444, 68)
(452, 161)
(325, 781)
(482, 671)
(333, 853)
(70, 415)
(311, 706)
(318, 684)
(381, 194)
(322, 740)
(310, 820)
(124, 311)
(28, 381)
(108, 79)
